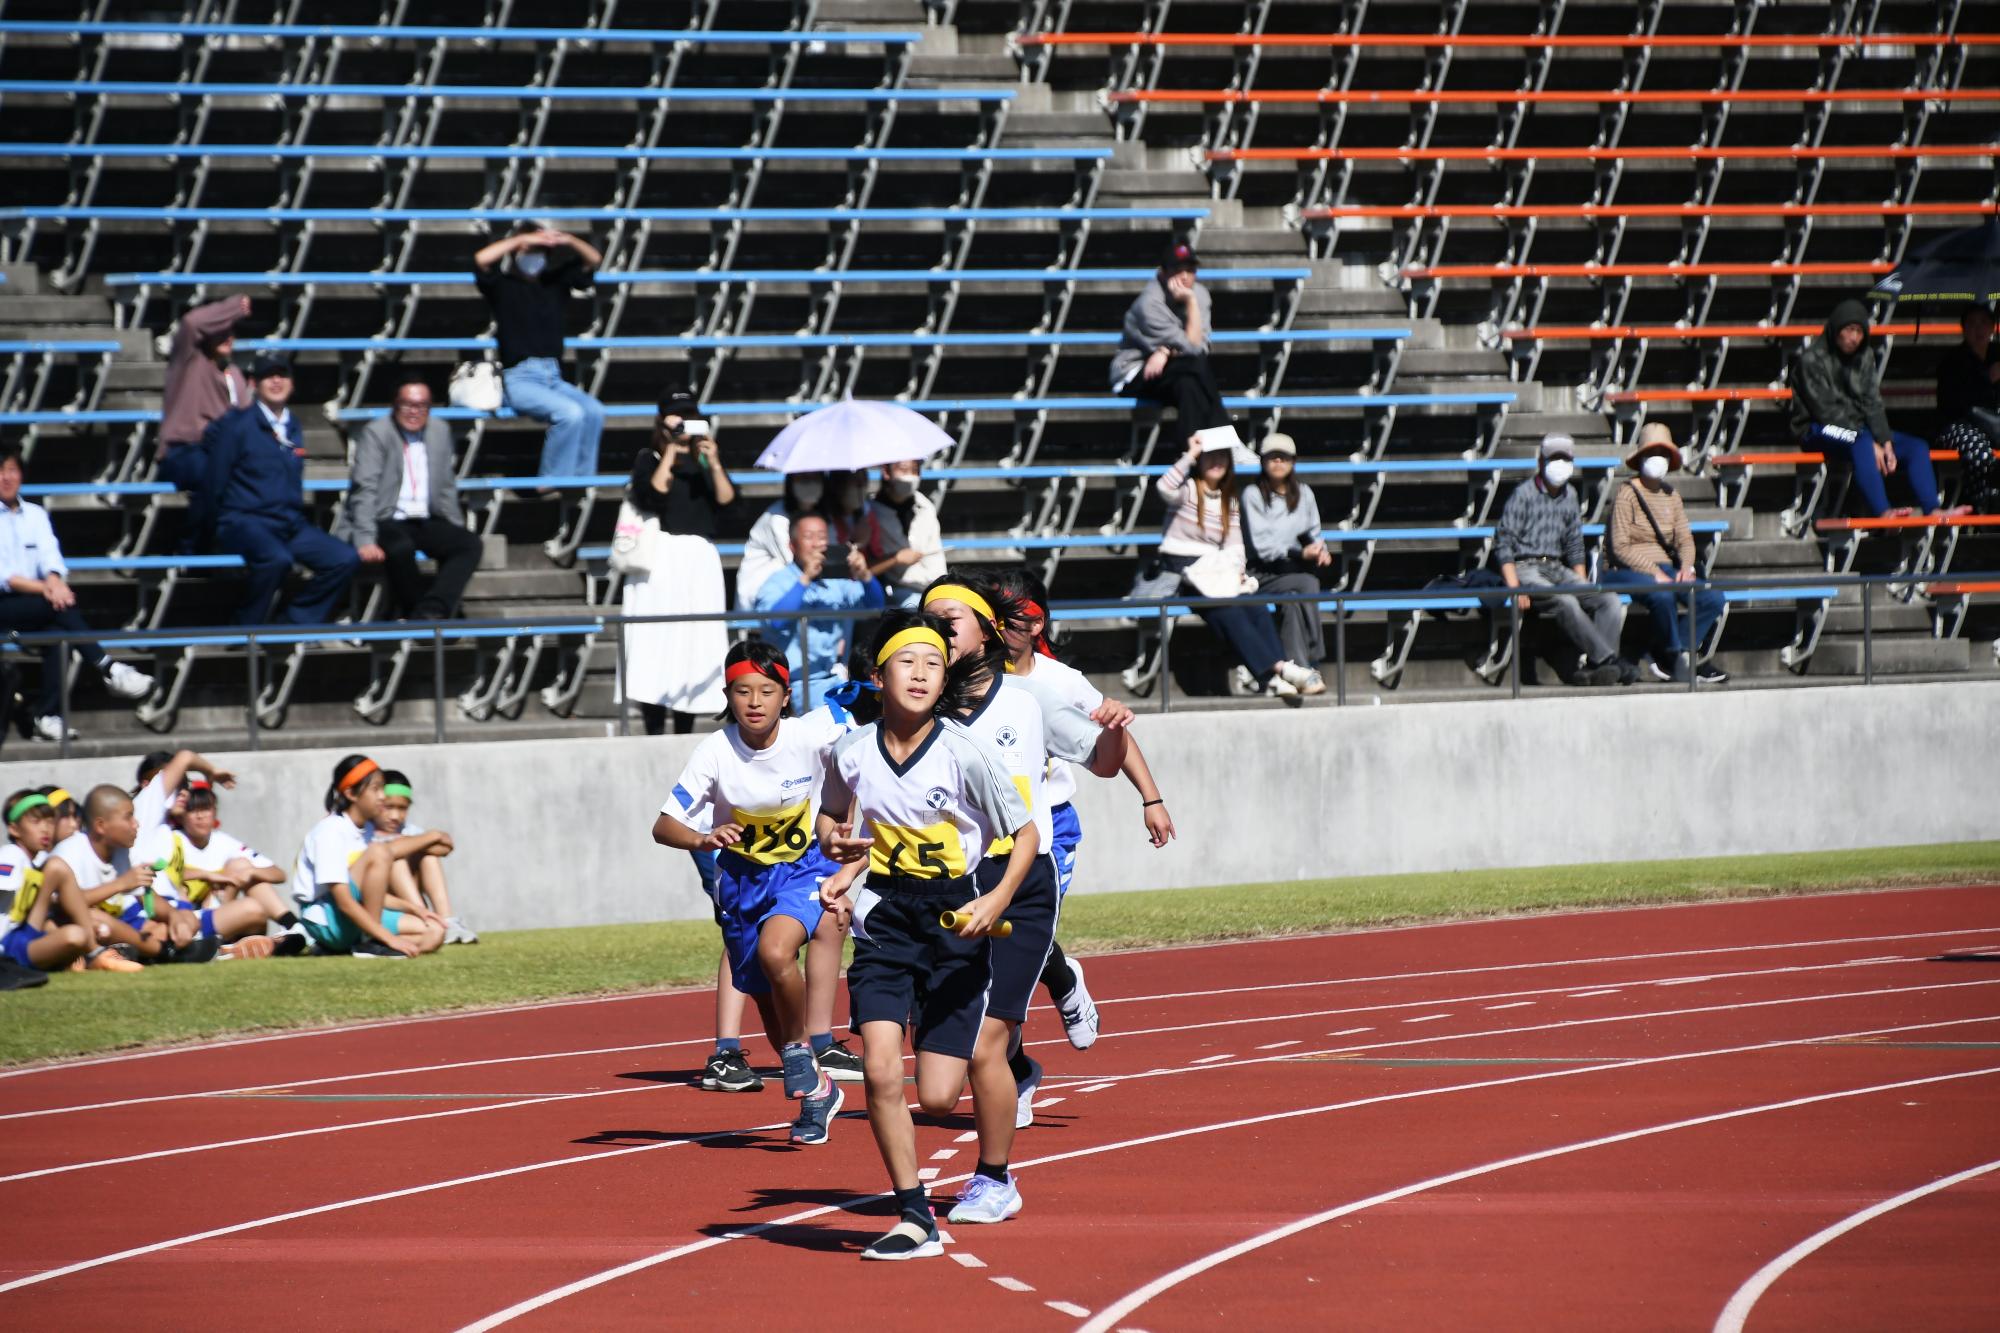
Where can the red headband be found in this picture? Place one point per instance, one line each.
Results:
(1033, 610)
(773, 671)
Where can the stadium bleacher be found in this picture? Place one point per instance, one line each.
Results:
(1431, 236)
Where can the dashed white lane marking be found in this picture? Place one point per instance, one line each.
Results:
(1100, 1087)
(1350, 1032)
(1212, 1059)
(1592, 994)
(1683, 981)
(928, 1173)
(1426, 1018)
(944, 1154)
(1518, 1004)
(1010, 1283)
(1280, 1045)
(1124, 1305)
(1070, 1308)
(1047, 1102)
(1738, 1308)
(970, 1136)
(968, 1260)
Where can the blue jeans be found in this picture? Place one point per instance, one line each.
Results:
(536, 390)
(269, 548)
(1913, 460)
(1667, 605)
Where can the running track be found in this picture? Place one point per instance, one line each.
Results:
(1771, 1115)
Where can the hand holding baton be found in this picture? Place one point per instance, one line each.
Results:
(953, 920)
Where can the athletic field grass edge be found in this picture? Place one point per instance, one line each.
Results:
(87, 1013)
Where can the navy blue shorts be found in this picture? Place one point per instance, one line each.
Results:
(747, 895)
(911, 971)
(1018, 958)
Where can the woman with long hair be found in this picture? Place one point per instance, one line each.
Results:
(1284, 550)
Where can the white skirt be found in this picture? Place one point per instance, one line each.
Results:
(677, 666)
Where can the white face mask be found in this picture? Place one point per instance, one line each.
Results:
(1653, 466)
(530, 263)
(806, 491)
(1557, 472)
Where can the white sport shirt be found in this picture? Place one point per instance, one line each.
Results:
(932, 816)
(773, 793)
(334, 844)
(1026, 723)
(1066, 683)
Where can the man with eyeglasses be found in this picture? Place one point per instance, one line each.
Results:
(402, 498)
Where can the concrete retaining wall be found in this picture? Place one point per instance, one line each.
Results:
(558, 832)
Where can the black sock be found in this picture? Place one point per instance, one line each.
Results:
(1056, 974)
(914, 1205)
(287, 920)
(1018, 1066)
(992, 1172)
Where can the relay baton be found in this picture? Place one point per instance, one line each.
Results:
(953, 920)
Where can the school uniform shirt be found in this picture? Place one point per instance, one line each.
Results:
(334, 844)
(28, 546)
(184, 874)
(20, 885)
(149, 809)
(93, 871)
(1072, 687)
(1027, 725)
(773, 793)
(933, 815)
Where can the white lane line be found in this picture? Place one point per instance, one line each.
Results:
(927, 1173)
(970, 1136)
(1047, 1102)
(944, 1154)
(1070, 1308)
(598, 1279)
(1010, 1283)
(1426, 1018)
(1746, 1296)
(1682, 981)
(968, 1260)
(1517, 1004)
(1100, 1087)
(1124, 1305)
(1280, 1045)
(1212, 1059)
(1350, 1032)
(1592, 994)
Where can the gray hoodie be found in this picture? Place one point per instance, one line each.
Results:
(1154, 321)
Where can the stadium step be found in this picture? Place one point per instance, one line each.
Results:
(20, 279)
(1893, 655)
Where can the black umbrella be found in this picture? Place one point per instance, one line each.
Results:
(1960, 268)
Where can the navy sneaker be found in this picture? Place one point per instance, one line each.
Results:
(816, 1114)
(801, 1073)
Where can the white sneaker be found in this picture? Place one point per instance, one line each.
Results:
(1079, 1012)
(984, 1200)
(1303, 679)
(52, 729)
(127, 682)
(1280, 688)
(1242, 682)
(457, 932)
(1024, 1094)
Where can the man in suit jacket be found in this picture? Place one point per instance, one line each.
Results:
(256, 488)
(403, 498)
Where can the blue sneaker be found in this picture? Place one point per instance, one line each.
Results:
(816, 1115)
(986, 1200)
(801, 1071)
(1024, 1094)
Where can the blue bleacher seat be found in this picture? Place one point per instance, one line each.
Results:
(391, 92)
(613, 278)
(432, 33)
(578, 152)
(126, 214)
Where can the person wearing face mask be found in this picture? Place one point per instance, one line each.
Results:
(1539, 544)
(921, 561)
(768, 548)
(870, 528)
(675, 670)
(528, 279)
(1652, 550)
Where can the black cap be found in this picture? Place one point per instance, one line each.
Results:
(677, 400)
(1180, 255)
(270, 363)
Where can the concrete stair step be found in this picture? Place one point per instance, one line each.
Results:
(1031, 129)
(1767, 556)
(1893, 655)
(41, 311)
(1484, 366)
(1888, 616)
(964, 68)
(20, 280)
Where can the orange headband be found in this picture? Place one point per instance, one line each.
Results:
(777, 671)
(357, 775)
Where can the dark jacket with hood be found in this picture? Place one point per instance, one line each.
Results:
(1829, 389)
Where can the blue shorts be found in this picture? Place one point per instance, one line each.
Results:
(748, 894)
(1068, 834)
(15, 943)
(332, 932)
(136, 916)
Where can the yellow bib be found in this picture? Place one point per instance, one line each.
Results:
(930, 852)
(773, 837)
(24, 900)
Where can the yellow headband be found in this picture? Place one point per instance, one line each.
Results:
(59, 795)
(958, 592)
(902, 639)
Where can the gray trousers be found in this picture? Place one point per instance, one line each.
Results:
(1590, 620)
(1298, 622)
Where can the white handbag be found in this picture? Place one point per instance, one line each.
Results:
(634, 541)
(1220, 573)
(476, 384)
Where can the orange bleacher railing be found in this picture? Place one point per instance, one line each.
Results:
(1763, 395)
(1446, 272)
(1503, 41)
(1603, 332)
(1795, 458)
(1560, 97)
(1616, 211)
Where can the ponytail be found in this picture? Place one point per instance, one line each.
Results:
(350, 775)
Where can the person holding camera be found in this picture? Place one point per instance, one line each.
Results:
(679, 481)
(819, 577)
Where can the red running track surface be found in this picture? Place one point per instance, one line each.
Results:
(1611, 1119)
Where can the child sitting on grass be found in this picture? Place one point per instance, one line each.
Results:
(419, 880)
(32, 939)
(224, 883)
(341, 882)
(91, 880)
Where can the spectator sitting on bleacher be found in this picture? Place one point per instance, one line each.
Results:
(200, 386)
(256, 481)
(1281, 536)
(806, 584)
(1652, 549)
(874, 529)
(38, 599)
(1539, 544)
(675, 669)
(1163, 351)
(1837, 408)
(768, 548)
(919, 516)
(528, 292)
(1968, 382)
(1203, 547)
(402, 497)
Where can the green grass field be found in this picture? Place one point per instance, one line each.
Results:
(81, 1013)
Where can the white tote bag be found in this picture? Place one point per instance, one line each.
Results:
(635, 541)
(1220, 573)
(476, 384)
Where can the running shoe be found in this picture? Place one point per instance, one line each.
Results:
(841, 1065)
(729, 1071)
(1079, 1011)
(376, 949)
(250, 946)
(1024, 1094)
(126, 682)
(15, 977)
(1708, 673)
(110, 960)
(908, 1239)
(1301, 678)
(986, 1200)
(457, 932)
(816, 1114)
(293, 942)
(801, 1074)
